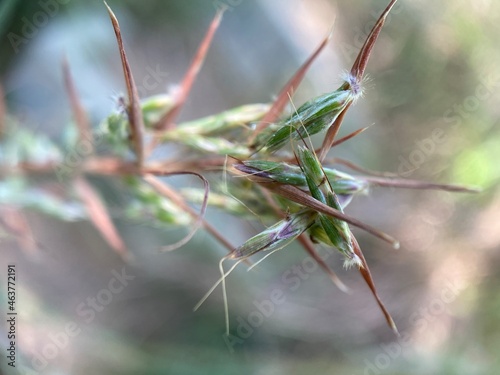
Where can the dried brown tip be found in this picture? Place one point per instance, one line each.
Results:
(167, 121)
(331, 134)
(134, 110)
(415, 184)
(81, 119)
(287, 91)
(349, 136)
(367, 276)
(337, 142)
(359, 66)
(167, 192)
(358, 168)
(99, 216)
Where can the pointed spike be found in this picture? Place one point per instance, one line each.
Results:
(167, 121)
(349, 136)
(134, 107)
(81, 119)
(357, 73)
(415, 184)
(359, 66)
(331, 134)
(99, 216)
(288, 90)
(358, 168)
(367, 276)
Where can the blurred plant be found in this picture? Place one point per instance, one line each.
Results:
(299, 194)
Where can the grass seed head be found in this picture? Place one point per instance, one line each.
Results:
(278, 236)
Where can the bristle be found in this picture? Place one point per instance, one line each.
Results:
(355, 85)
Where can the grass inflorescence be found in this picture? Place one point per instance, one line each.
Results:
(297, 192)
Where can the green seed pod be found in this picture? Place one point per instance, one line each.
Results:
(312, 117)
(336, 230)
(231, 205)
(225, 121)
(115, 132)
(155, 107)
(211, 145)
(277, 171)
(343, 183)
(285, 173)
(277, 236)
(336, 234)
(148, 203)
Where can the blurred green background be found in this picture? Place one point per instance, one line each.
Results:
(432, 96)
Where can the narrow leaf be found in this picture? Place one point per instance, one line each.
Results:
(359, 66)
(331, 134)
(367, 276)
(287, 91)
(358, 168)
(357, 73)
(167, 121)
(99, 216)
(415, 184)
(134, 110)
(81, 119)
(349, 136)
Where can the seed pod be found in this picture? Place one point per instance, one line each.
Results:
(146, 202)
(312, 117)
(116, 133)
(225, 121)
(342, 183)
(277, 171)
(233, 205)
(211, 145)
(154, 107)
(336, 230)
(277, 236)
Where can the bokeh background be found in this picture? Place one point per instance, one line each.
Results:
(432, 97)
